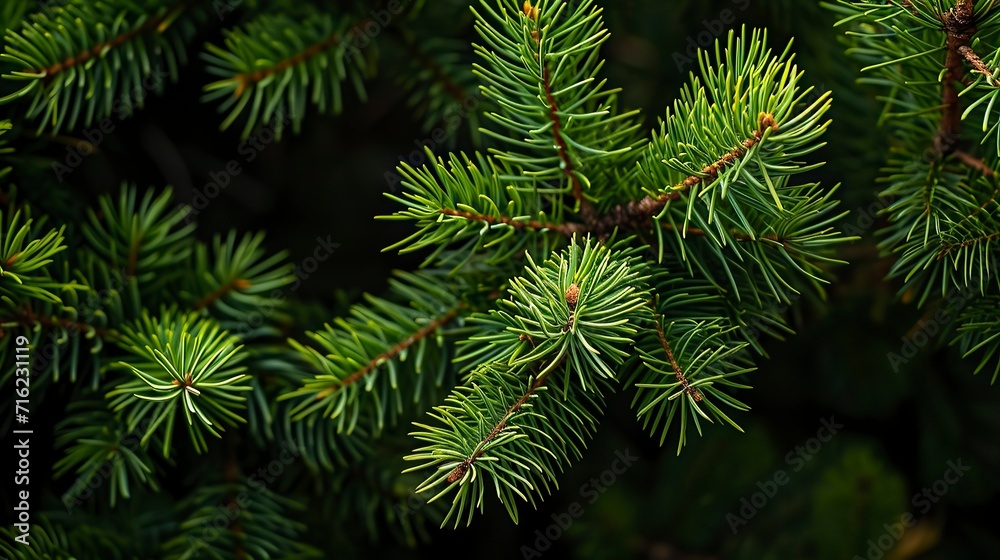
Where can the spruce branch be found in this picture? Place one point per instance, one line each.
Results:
(25, 253)
(181, 362)
(66, 49)
(274, 66)
(367, 362)
(943, 222)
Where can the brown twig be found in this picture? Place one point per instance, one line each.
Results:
(391, 353)
(636, 213)
(973, 162)
(247, 79)
(959, 25)
(156, 23)
(29, 318)
(977, 63)
(563, 149)
(463, 467)
(209, 299)
(693, 392)
(639, 212)
(567, 229)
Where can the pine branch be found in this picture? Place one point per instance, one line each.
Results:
(480, 448)
(270, 68)
(959, 25)
(365, 366)
(83, 62)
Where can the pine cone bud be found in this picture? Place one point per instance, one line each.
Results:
(572, 295)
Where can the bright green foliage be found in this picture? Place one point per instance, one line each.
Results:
(83, 61)
(361, 344)
(276, 66)
(569, 258)
(26, 250)
(936, 62)
(549, 88)
(720, 174)
(182, 363)
(520, 433)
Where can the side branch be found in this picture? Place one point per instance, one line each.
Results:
(248, 79)
(28, 318)
(978, 64)
(973, 162)
(634, 214)
(959, 25)
(691, 391)
(639, 212)
(158, 23)
(391, 353)
(947, 248)
(567, 229)
(562, 147)
(463, 467)
(209, 299)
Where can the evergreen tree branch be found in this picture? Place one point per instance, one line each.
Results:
(85, 61)
(274, 65)
(567, 164)
(427, 330)
(157, 23)
(640, 212)
(480, 448)
(959, 25)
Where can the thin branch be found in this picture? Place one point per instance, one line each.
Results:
(634, 214)
(563, 149)
(959, 25)
(978, 64)
(29, 318)
(222, 291)
(158, 23)
(248, 79)
(973, 162)
(391, 353)
(693, 392)
(639, 212)
(463, 467)
(567, 229)
(947, 248)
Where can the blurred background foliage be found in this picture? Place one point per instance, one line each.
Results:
(901, 426)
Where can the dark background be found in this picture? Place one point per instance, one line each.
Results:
(901, 427)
